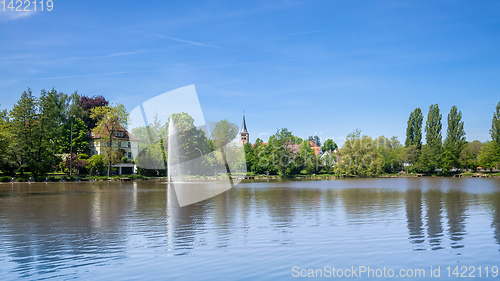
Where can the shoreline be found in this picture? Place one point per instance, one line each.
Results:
(263, 177)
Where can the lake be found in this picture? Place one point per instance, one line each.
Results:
(259, 230)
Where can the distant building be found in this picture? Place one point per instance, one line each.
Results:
(317, 149)
(255, 144)
(292, 147)
(244, 136)
(123, 141)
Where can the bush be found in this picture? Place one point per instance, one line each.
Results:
(5, 179)
(83, 156)
(151, 172)
(54, 179)
(137, 177)
(40, 178)
(124, 159)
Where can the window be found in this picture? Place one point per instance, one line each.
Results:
(130, 155)
(119, 134)
(129, 144)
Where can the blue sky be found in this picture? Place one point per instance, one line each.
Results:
(315, 67)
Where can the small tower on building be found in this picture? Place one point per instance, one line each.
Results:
(244, 133)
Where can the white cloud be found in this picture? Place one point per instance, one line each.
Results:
(13, 15)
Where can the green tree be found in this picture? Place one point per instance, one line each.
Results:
(251, 160)
(419, 118)
(56, 106)
(75, 107)
(434, 141)
(307, 163)
(469, 155)
(30, 133)
(428, 161)
(80, 136)
(150, 160)
(192, 144)
(359, 156)
(455, 137)
(414, 129)
(495, 125)
(7, 159)
(280, 155)
(409, 156)
(489, 155)
(4, 116)
(96, 164)
(262, 158)
(433, 128)
(109, 119)
(389, 151)
(223, 133)
(192, 141)
(329, 145)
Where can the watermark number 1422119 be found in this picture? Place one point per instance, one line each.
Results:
(26, 5)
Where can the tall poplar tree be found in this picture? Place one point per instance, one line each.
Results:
(414, 129)
(489, 156)
(433, 128)
(495, 125)
(455, 135)
(410, 130)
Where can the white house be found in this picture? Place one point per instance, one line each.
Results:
(122, 140)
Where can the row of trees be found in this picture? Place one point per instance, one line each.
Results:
(37, 131)
(286, 154)
(52, 130)
(366, 156)
(40, 133)
(452, 153)
(194, 151)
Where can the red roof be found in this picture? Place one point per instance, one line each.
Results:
(264, 143)
(126, 135)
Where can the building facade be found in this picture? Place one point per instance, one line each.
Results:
(122, 141)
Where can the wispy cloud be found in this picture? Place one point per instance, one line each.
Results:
(187, 42)
(34, 59)
(112, 55)
(81, 76)
(13, 15)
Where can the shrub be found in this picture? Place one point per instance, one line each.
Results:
(137, 177)
(40, 178)
(83, 156)
(151, 172)
(5, 179)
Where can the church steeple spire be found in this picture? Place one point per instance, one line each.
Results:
(244, 126)
(244, 136)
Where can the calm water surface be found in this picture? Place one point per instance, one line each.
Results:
(255, 231)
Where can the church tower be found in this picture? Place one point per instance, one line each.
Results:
(244, 136)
